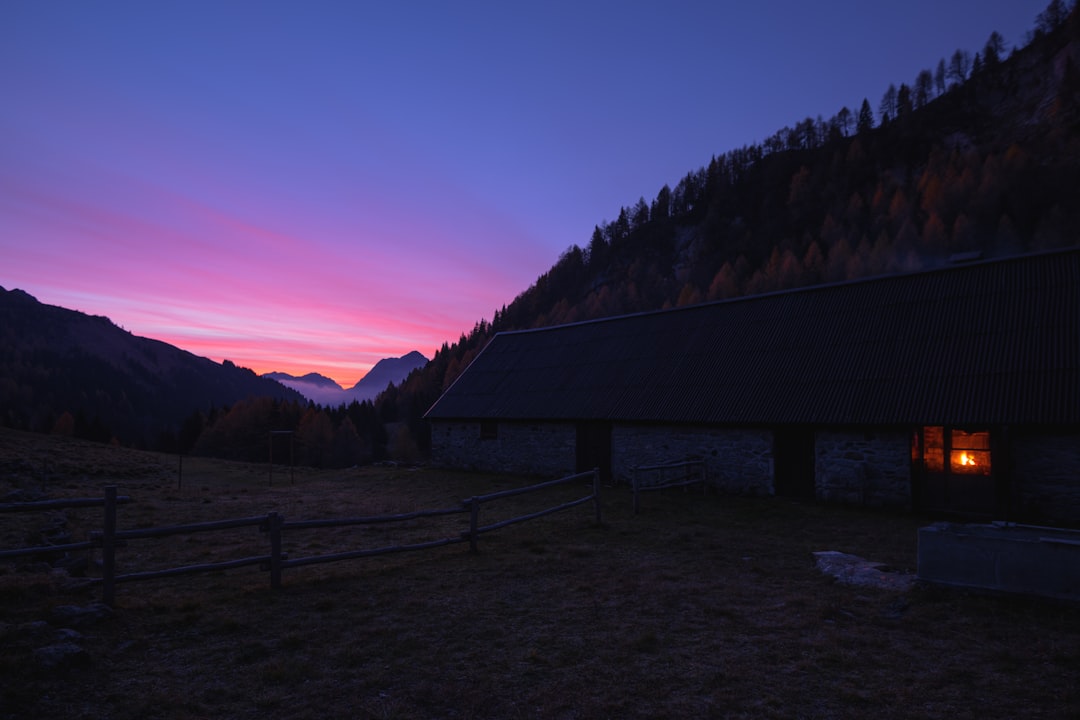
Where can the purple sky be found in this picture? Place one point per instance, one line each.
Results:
(313, 186)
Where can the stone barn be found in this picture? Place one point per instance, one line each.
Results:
(954, 391)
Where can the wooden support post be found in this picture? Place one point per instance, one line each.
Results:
(274, 522)
(635, 479)
(596, 494)
(474, 522)
(108, 548)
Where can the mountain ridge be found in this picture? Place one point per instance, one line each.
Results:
(981, 157)
(312, 378)
(325, 391)
(69, 372)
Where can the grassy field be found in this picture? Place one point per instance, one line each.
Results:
(698, 607)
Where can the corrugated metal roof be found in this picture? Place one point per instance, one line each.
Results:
(995, 342)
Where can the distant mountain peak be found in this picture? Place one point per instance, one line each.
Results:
(324, 391)
(311, 378)
(391, 370)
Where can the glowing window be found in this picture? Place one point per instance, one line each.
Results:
(934, 448)
(970, 452)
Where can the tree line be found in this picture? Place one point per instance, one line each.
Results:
(977, 157)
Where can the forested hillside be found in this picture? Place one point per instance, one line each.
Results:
(977, 156)
(69, 373)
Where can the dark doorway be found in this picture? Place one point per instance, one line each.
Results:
(793, 462)
(594, 448)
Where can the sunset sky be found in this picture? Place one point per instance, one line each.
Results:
(313, 186)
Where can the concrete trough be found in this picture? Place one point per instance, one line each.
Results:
(1002, 557)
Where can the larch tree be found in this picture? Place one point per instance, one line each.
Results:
(661, 206)
(887, 108)
(843, 121)
(993, 50)
(924, 86)
(904, 104)
(1053, 16)
(959, 67)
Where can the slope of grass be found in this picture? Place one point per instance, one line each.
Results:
(697, 607)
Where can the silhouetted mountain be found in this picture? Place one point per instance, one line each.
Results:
(310, 379)
(324, 391)
(389, 370)
(313, 386)
(65, 371)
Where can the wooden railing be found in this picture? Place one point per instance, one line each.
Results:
(42, 505)
(275, 527)
(668, 475)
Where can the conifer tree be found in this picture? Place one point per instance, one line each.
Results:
(866, 118)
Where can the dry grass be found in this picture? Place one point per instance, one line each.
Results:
(698, 607)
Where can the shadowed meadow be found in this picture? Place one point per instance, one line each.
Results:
(698, 607)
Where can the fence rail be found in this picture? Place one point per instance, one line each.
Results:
(63, 504)
(273, 525)
(686, 473)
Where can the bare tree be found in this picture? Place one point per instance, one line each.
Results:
(994, 49)
(843, 121)
(887, 108)
(940, 76)
(903, 102)
(959, 66)
(924, 85)
(1053, 16)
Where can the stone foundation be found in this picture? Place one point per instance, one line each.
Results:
(1046, 475)
(866, 468)
(547, 449)
(863, 468)
(737, 460)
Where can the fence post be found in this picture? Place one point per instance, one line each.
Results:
(596, 493)
(474, 522)
(273, 523)
(635, 480)
(108, 548)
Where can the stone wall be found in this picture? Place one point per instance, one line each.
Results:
(1046, 475)
(738, 460)
(525, 448)
(863, 468)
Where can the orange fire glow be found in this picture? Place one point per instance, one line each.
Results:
(967, 460)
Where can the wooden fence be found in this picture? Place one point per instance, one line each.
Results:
(275, 526)
(668, 475)
(110, 518)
